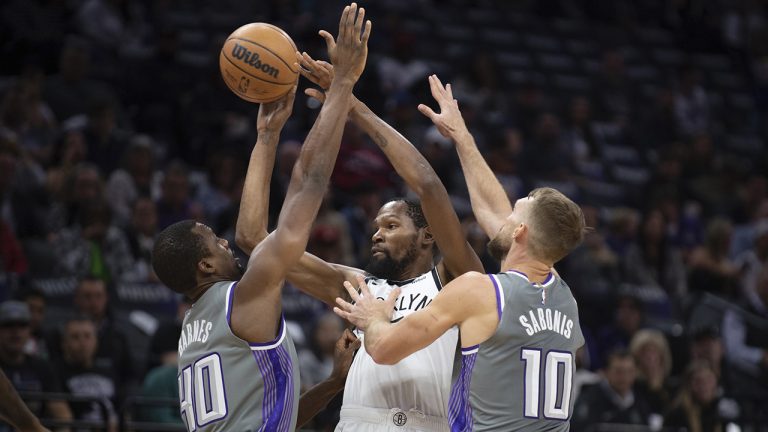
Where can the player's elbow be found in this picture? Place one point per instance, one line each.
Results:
(248, 241)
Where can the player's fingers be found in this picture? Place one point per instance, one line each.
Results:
(363, 286)
(427, 111)
(366, 33)
(343, 22)
(359, 21)
(330, 42)
(353, 294)
(355, 344)
(315, 94)
(344, 315)
(448, 91)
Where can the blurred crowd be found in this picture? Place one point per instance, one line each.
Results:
(115, 123)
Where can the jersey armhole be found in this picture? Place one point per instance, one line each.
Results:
(255, 346)
(499, 296)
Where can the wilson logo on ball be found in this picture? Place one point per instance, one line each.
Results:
(251, 58)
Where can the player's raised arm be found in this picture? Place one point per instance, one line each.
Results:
(490, 202)
(469, 301)
(410, 164)
(271, 259)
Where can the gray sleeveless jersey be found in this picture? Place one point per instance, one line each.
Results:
(225, 383)
(521, 378)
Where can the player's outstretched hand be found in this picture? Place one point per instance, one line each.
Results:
(365, 308)
(449, 121)
(350, 49)
(319, 72)
(273, 115)
(343, 354)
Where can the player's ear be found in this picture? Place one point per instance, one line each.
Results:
(427, 238)
(206, 266)
(520, 232)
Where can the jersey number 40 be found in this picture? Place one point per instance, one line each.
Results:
(201, 388)
(557, 380)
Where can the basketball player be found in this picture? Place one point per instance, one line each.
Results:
(413, 395)
(237, 365)
(519, 328)
(14, 411)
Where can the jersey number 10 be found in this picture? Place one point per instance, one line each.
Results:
(201, 387)
(557, 385)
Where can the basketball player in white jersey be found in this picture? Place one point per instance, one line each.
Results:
(519, 328)
(412, 395)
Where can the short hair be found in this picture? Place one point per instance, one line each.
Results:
(657, 339)
(90, 278)
(557, 225)
(175, 256)
(616, 355)
(414, 211)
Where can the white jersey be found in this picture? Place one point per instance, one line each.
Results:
(421, 381)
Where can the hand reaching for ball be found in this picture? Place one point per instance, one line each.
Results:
(350, 49)
(317, 71)
(273, 115)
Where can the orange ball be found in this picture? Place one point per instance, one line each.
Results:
(257, 62)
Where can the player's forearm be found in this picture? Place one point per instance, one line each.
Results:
(316, 398)
(14, 410)
(490, 202)
(382, 345)
(321, 146)
(409, 163)
(252, 219)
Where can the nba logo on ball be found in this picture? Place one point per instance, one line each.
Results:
(257, 62)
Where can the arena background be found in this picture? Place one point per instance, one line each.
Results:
(651, 114)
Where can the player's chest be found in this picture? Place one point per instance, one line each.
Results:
(412, 298)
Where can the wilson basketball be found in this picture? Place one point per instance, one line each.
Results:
(257, 62)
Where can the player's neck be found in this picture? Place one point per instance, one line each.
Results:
(536, 271)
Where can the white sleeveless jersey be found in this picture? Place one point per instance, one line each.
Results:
(421, 381)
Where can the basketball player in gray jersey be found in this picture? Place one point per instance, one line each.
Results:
(519, 328)
(237, 365)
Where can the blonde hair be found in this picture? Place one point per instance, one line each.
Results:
(557, 225)
(657, 339)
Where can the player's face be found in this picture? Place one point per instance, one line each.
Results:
(502, 242)
(394, 242)
(221, 254)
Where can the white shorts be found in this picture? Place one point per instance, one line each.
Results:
(392, 420)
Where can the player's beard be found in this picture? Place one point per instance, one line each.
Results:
(499, 245)
(386, 267)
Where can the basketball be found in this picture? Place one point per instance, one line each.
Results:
(257, 62)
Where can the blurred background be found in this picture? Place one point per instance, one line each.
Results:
(651, 114)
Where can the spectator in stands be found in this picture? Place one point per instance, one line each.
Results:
(746, 338)
(176, 201)
(13, 262)
(698, 408)
(69, 152)
(711, 269)
(23, 113)
(132, 180)
(222, 188)
(362, 208)
(27, 373)
(653, 260)
(37, 345)
(106, 142)
(82, 186)
(752, 261)
(401, 70)
(316, 362)
(112, 352)
(580, 137)
(613, 400)
(691, 103)
(22, 207)
(141, 238)
(94, 247)
(628, 319)
(545, 155)
(654, 364)
(330, 238)
(614, 94)
(71, 92)
(82, 375)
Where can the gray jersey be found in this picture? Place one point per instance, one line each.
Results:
(521, 378)
(226, 383)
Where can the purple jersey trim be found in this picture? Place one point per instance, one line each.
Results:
(498, 295)
(276, 370)
(459, 408)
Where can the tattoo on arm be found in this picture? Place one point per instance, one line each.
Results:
(380, 140)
